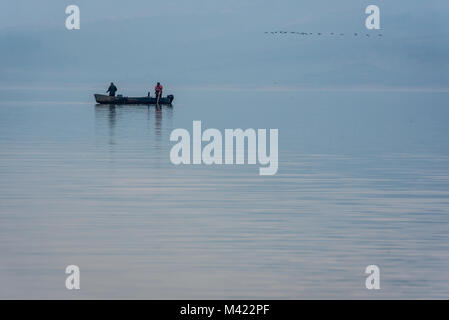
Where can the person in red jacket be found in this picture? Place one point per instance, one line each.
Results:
(158, 90)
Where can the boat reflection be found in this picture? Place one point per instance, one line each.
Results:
(121, 119)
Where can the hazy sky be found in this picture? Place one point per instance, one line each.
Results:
(223, 42)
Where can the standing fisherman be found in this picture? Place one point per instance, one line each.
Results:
(158, 90)
(112, 90)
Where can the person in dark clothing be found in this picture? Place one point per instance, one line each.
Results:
(112, 90)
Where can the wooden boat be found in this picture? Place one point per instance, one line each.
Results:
(104, 99)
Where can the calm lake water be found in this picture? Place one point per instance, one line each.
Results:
(363, 179)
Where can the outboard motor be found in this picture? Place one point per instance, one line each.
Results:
(170, 97)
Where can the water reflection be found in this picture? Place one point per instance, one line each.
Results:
(356, 186)
(112, 119)
(120, 117)
(158, 122)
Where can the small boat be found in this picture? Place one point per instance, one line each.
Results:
(104, 99)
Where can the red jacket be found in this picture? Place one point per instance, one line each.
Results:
(158, 88)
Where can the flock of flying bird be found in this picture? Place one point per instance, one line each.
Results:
(318, 33)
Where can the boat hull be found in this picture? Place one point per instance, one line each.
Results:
(104, 99)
